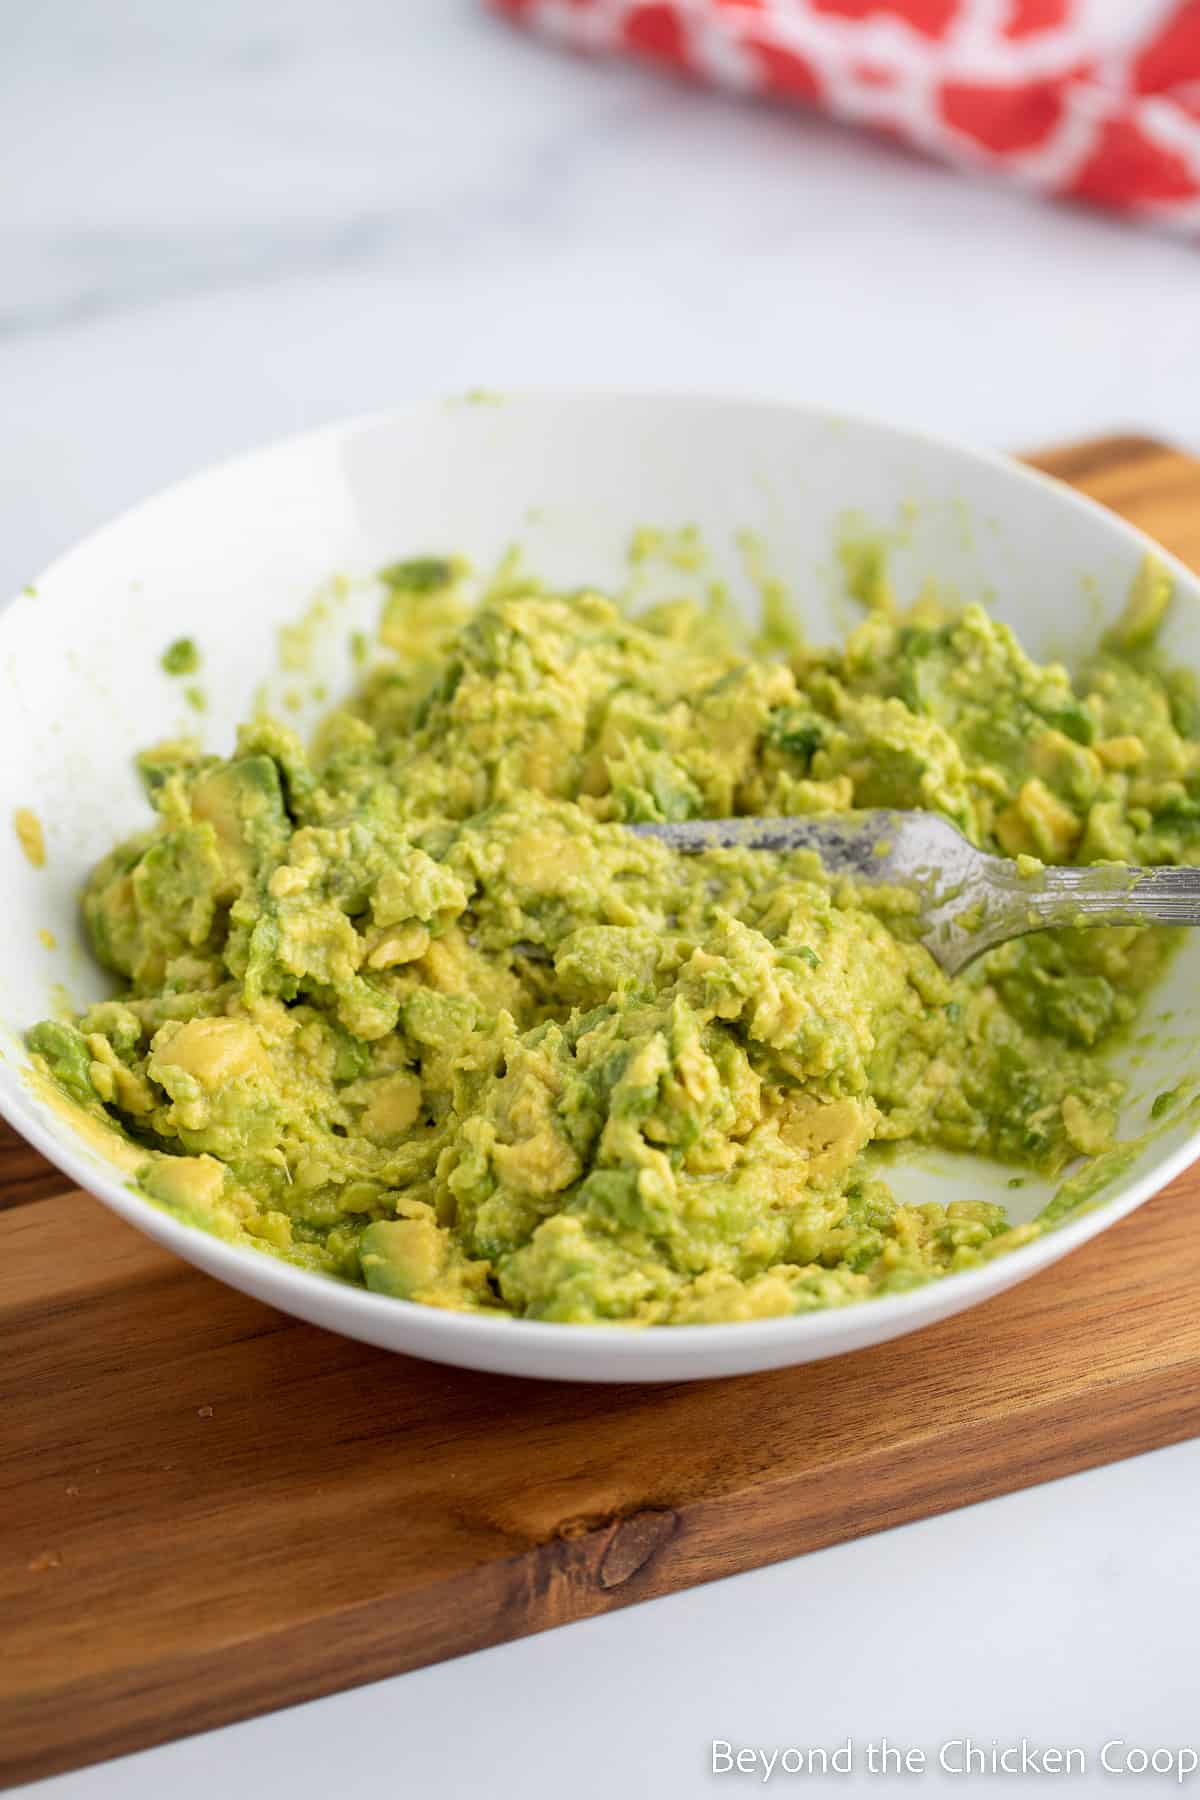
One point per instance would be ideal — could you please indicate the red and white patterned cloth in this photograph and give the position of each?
(1045, 90)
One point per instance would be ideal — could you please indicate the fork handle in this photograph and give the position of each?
(1102, 895)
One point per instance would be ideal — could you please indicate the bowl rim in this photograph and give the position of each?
(452, 1336)
(463, 1333)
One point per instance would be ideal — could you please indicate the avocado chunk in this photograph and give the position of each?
(402, 1256)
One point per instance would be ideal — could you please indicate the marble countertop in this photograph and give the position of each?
(222, 224)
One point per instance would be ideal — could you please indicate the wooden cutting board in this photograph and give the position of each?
(208, 1510)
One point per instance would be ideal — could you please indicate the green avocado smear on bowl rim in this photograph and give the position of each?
(332, 1041)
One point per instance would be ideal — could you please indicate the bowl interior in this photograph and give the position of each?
(234, 555)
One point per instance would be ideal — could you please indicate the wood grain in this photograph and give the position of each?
(1150, 483)
(208, 1509)
(24, 1173)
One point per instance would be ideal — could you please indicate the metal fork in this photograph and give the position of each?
(968, 902)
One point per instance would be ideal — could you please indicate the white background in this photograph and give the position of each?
(222, 223)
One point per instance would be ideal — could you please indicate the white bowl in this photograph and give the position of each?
(231, 555)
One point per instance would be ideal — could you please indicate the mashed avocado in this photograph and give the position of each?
(411, 1007)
